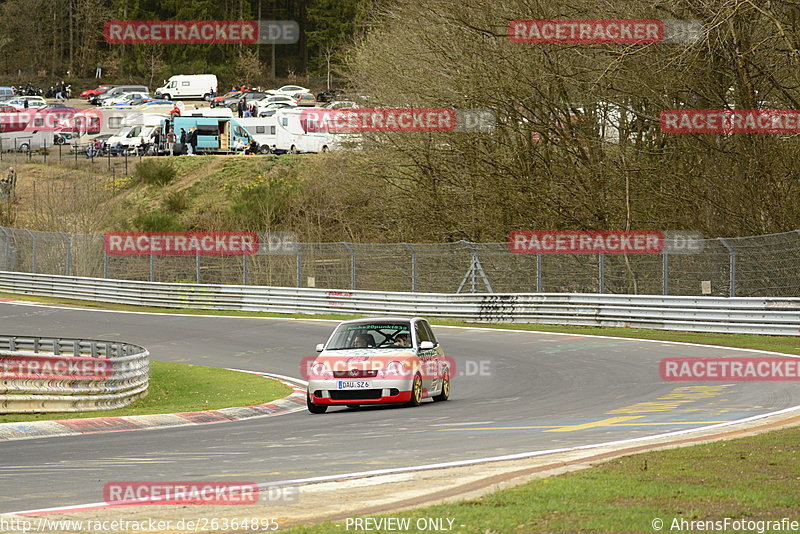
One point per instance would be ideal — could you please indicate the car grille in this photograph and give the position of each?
(356, 394)
(359, 373)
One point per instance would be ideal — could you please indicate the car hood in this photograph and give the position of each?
(357, 356)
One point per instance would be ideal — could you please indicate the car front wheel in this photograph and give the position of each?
(315, 408)
(416, 392)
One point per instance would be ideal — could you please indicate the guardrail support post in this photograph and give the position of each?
(413, 266)
(732, 253)
(601, 263)
(352, 265)
(665, 272)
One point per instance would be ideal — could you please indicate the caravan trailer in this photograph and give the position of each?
(303, 130)
(262, 130)
(214, 134)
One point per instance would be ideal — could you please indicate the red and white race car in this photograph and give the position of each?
(378, 360)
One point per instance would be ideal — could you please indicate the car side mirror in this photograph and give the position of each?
(426, 345)
(320, 347)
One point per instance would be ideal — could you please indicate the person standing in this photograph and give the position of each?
(99, 72)
(171, 140)
(193, 141)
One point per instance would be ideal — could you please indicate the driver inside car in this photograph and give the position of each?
(401, 340)
(363, 340)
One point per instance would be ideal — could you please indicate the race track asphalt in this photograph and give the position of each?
(537, 391)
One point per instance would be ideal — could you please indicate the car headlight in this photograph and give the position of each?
(319, 371)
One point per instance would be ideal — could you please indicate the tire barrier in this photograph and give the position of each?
(43, 374)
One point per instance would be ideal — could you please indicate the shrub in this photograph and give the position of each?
(155, 172)
(156, 221)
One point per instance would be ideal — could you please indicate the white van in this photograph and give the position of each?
(137, 129)
(297, 132)
(187, 86)
(262, 130)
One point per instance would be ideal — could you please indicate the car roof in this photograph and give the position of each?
(374, 320)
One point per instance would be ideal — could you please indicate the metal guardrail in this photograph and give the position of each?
(749, 315)
(42, 374)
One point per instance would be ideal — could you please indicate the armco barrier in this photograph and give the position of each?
(39, 374)
(750, 315)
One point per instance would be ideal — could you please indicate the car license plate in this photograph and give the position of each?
(346, 384)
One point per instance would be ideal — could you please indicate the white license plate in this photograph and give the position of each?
(346, 384)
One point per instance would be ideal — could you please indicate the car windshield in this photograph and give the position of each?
(367, 335)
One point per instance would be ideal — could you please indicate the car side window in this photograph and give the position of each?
(422, 334)
(427, 328)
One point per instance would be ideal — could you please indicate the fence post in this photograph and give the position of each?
(35, 244)
(352, 265)
(538, 273)
(152, 267)
(732, 253)
(245, 274)
(44, 151)
(68, 266)
(601, 263)
(105, 258)
(8, 245)
(197, 266)
(59, 152)
(413, 266)
(299, 262)
(665, 271)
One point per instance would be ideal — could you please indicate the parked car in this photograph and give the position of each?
(330, 95)
(270, 109)
(341, 104)
(378, 360)
(100, 89)
(125, 98)
(247, 96)
(116, 91)
(304, 99)
(219, 98)
(34, 102)
(289, 90)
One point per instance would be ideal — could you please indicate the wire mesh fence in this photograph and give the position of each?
(758, 266)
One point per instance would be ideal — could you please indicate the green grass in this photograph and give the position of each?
(176, 387)
(750, 478)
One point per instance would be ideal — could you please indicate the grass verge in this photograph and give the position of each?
(752, 479)
(176, 387)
